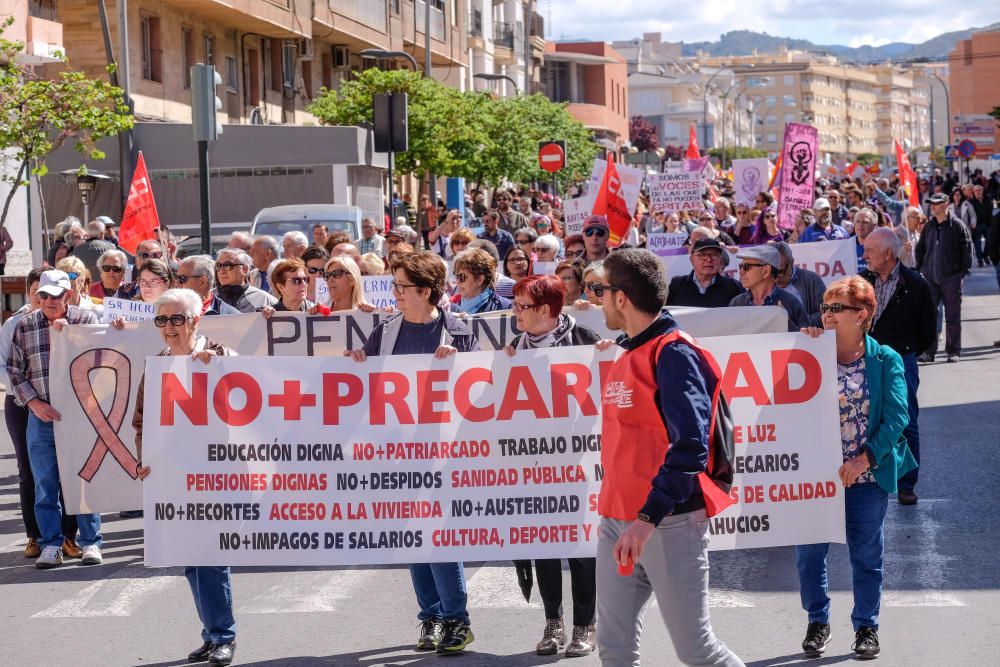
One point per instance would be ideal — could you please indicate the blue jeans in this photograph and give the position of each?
(48, 506)
(865, 506)
(212, 588)
(912, 433)
(996, 268)
(440, 589)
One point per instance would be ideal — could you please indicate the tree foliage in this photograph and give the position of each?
(643, 134)
(996, 115)
(40, 115)
(737, 153)
(673, 152)
(867, 159)
(469, 134)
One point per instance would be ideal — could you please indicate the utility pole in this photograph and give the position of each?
(431, 181)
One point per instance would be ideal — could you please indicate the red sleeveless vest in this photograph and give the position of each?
(634, 439)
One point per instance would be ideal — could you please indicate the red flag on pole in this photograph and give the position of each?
(140, 220)
(610, 202)
(907, 177)
(692, 152)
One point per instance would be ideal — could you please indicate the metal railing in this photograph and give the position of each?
(43, 9)
(503, 35)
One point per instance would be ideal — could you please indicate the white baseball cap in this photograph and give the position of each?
(54, 283)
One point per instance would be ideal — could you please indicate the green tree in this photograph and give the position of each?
(996, 114)
(737, 153)
(40, 115)
(867, 159)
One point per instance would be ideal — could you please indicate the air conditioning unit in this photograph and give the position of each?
(341, 57)
(305, 49)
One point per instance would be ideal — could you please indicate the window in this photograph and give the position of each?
(395, 6)
(772, 137)
(152, 53)
(307, 78)
(209, 48)
(187, 53)
(274, 64)
(789, 80)
(326, 70)
(289, 53)
(789, 100)
(770, 119)
(771, 101)
(232, 75)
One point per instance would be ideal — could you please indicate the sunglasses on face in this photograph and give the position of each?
(228, 265)
(177, 320)
(524, 242)
(598, 231)
(461, 277)
(835, 308)
(46, 297)
(598, 289)
(313, 270)
(393, 241)
(298, 281)
(336, 274)
(108, 268)
(573, 254)
(183, 280)
(73, 275)
(746, 266)
(151, 255)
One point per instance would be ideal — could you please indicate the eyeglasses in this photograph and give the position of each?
(525, 242)
(177, 320)
(707, 255)
(156, 282)
(573, 254)
(769, 215)
(568, 278)
(151, 255)
(459, 243)
(399, 288)
(542, 248)
(73, 275)
(45, 297)
(298, 281)
(599, 231)
(313, 270)
(836, 308)
(598, 289)
(393, 240)
(336, 274)
(521, 307)
(108, 268)
(746, 266)
(228, 265)
(517, 260)
(705, 218)
(183, 280)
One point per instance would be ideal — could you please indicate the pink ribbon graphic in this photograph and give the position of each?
(106, 425)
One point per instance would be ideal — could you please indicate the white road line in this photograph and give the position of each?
(922, 598)
(927, 567)
(304, 591)
(115, 595)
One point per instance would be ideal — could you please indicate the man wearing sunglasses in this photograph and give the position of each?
(595, 238)
(759, 276)
(510, 219)
(233, 270)
(28, 369)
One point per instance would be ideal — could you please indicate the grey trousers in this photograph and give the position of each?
(948, 291)
(675, 567)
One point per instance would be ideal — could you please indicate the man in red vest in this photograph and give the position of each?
(657, 493)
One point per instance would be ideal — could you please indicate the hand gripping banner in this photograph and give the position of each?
(106, 425)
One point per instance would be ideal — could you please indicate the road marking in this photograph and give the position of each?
(114, 596)
(922, 598)
(303, 591)
(926, 567)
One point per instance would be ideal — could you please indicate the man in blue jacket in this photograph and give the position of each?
(759, 276)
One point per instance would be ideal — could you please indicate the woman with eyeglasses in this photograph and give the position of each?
(546, 248)
(290, 280)
(154, 278)
(112, 265)
(78, 277)
(570, 272)
(315, 259)
(766, 228)
(593, 273)
(575, 248)
(538, 308)
(517, 263)
(475, 274)
(343, 280)
(421, 327)
(460, 240)
(873, 414)
(524, 239)
(178, 312)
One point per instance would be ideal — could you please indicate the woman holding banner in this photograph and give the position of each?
(475, 275)
(538, 304)
(421, 327)
(873, 414)
(343, 279)
(290, 282)
(178, 312)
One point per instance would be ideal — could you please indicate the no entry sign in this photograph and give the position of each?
(552, 155)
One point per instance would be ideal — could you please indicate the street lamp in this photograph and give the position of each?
(385, 55)
(947, 109)
(704, 101)
(498, 77)
(86, 183)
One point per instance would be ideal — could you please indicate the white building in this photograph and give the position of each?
(505, 44)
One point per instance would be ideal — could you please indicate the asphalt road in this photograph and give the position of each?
(941, 605)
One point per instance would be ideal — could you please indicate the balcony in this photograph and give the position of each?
(476, 37)
(43, 9)
(370, 13)
(43, 34)
(274, 18)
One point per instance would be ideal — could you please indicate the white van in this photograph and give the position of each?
(276, 221)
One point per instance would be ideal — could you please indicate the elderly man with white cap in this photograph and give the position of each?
(28, 368)
(824, 228)
(759, 270)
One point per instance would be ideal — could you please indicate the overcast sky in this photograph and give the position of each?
(848, 22)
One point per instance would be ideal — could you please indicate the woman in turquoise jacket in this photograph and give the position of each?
(873, 414)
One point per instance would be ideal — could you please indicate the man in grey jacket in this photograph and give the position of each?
(803, 283)
(233, 270)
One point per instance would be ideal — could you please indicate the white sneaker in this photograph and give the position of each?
(51, 557)
(92, 555)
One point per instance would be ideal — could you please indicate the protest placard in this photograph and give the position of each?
(663, 242)
(798, 172)
(130, 311)
(575, 213)
(378, 291)
(477, 457)
(750, 178)
(676, 191)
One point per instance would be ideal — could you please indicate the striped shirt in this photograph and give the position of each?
(884, 289)
(28, 364)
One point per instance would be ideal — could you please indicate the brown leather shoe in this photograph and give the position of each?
(32, 550)
(70, 549)
(906, 497)
(584, 641)
(553, 638)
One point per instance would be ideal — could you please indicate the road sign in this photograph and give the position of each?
(967, 148)
(552, 155)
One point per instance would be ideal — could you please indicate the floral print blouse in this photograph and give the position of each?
(854, 408)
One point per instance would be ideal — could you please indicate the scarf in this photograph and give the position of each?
(472, 306)
(555, 338)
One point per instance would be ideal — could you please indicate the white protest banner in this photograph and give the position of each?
(544, 268)
(378, 291)
(676, 191)
(575, 213)
(750, 178)
(631, 178)
(106, 365)
(130, 311)
(658, 242)
(477, 457)
(323, 292)
(831, 260)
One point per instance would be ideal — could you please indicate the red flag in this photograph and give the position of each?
(907, 176)
(692, 152)
(140, 221)
(775, 172)
(610, 202)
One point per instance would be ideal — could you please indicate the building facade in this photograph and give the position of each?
(974, 70)
(506, 41)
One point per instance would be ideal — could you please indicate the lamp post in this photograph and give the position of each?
(498, 77)
(947, 103)
(704, 101)
(86, 183)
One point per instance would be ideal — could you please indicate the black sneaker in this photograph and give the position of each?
(817, 637)
(866, 643)
(430, 634)
(457, 635)
(201, 654)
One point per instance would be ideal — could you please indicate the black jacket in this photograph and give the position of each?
(684, 292)
(994, 246)
(908, 323)
(954, 243)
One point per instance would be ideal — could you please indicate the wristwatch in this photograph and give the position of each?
(643, 517)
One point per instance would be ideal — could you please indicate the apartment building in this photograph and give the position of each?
(506, 41)
(903, 110)
(974, 70)
(274, 56)
(592, 78)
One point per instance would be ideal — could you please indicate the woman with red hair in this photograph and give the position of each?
(538, 307)
(873, 414)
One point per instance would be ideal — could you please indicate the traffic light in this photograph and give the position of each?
(205, 103)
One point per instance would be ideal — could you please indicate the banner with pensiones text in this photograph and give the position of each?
(480, 456)
(96, 449)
